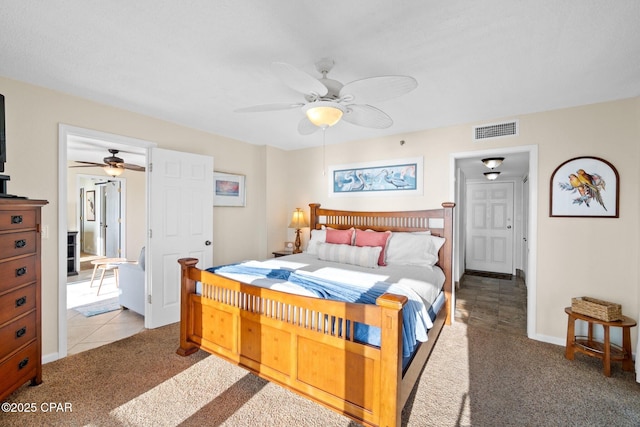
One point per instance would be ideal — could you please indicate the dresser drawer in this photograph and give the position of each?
(19, 368)
(17, 220)
(14, 244)
(17, 333)
(17, 272)
(17, 302)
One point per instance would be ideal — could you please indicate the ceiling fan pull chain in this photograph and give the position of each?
(324, 155)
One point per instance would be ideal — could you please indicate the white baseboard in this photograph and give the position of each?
(51, 357)
(549, 339)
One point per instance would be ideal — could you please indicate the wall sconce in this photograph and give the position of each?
(493, 162)
(113, 171)
(324, 113)
(491, 176)
(298, 222)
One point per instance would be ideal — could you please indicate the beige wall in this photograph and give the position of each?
(575, 256)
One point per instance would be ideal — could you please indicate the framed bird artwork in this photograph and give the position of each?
(585, 187)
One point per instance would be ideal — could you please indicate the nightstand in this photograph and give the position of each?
(282, 252)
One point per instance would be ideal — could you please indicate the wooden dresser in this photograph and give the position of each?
(20, 304)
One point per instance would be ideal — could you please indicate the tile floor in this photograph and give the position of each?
(85, 333)
(493, 303)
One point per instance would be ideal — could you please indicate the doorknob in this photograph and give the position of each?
(208, 243)
(508, 227)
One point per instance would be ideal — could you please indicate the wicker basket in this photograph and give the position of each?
(596, 308)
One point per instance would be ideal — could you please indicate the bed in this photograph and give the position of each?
(312, 346)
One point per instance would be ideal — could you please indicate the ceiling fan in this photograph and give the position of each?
(327, 100)
(113, 165)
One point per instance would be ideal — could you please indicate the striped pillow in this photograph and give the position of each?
(364, 256)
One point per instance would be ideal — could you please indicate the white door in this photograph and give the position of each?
(112, 220)
(489, 245)
(181, 225)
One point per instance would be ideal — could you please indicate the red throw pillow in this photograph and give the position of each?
(374, 238)
(340, 237)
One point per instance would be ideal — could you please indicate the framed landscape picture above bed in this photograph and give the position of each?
(228, 189)
(585, 187)
(400, 177)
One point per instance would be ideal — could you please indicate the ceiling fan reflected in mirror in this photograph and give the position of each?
(327, 101)
(113, 165)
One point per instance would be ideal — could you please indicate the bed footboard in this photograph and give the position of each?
(302, 345)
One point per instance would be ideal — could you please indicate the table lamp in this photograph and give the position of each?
(298, 222)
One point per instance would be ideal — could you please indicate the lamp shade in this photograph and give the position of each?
(298, 221)
(113, 170)
(324, 113)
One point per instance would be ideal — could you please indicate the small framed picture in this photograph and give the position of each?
(229, 189)
(288, 246)
(90, 210)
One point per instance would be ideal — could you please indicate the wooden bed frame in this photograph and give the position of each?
(284, 338)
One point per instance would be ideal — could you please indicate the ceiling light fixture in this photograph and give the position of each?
(493, 162)
(113, 171)
(324, 113)
(491, 176)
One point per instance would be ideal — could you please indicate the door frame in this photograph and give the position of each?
(64, 133)
(106, 201)
(455, 190)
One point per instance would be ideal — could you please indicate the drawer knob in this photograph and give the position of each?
(16, 219)
(20, 332)
(21, 271)
(20, 243)
(21, 301)
(24, 362)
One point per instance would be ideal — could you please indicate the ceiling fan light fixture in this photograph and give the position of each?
(493, 162)
(324, 113)
(113, 171)
(492, 176)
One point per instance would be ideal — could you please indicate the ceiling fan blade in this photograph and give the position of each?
(305, 127)
(367, 116)
(87, 164)
(268, 107)
(297, 79)
(376, 89)
(131, 167)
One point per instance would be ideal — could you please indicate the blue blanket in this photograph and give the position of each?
(414, 312)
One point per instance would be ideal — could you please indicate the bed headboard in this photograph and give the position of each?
(434, 220)
(438, 221)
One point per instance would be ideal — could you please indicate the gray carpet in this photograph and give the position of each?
(475, 377)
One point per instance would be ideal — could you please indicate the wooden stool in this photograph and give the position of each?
(603, 350)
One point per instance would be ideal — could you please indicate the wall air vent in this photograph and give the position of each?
(495, 130)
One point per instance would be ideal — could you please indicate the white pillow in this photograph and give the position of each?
(317, 236)
(364, 256)
(413, 249)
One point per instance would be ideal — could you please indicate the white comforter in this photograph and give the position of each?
(425, 282)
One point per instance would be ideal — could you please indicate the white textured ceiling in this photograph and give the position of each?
(194, 62)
